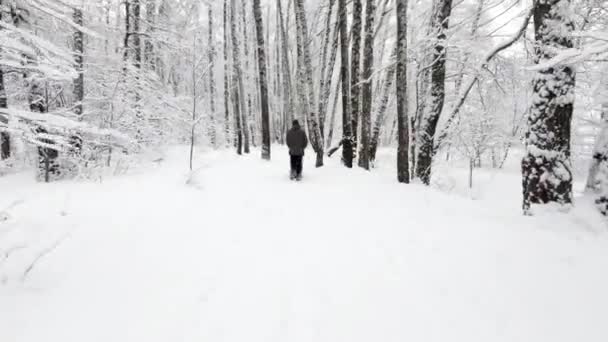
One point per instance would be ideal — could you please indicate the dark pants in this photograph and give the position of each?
(296, 165)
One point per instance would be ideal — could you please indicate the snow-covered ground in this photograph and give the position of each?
(238, 253)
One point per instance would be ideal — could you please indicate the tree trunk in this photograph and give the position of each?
(211, 43)
(332, 120)
(263, 79)
(598, 175)
(226, 78)
(366, 104)
(403, 168)
(288, 104)
(381, 116)
(546, 168)
(347, 133)
(237, 81)
(149, 58)
(244, 79)
(440, 24)
(78, 63)
(325, 80)
(355, 77)
(5, 139)
(314, 130)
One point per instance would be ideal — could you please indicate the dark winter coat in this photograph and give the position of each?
(297, 141)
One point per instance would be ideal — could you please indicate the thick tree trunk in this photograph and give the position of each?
(546, 167)
(440, 24)
(314, 129)
(403, 168)
(263, 79)
(288, 103)
(347, 133)
(355, 77)
(366, 98)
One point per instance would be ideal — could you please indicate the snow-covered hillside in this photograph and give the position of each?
(237, 253)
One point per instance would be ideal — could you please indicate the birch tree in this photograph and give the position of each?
(314, 129)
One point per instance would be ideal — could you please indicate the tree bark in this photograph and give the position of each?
(237, 81)
(245, 79)
(546, 167)
(347, 133)
(403, 168)
(226, 78)
(440, 25)
(78, 62)
(381, 116)
(5, 139)
(325, 80)
(263, 79)
(355, 77)
(212, 90)
(314, 130)
(366, 98)
(288, 103)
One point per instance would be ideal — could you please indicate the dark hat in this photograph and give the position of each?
(295, 123)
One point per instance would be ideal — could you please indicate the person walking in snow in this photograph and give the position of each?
(297, 143)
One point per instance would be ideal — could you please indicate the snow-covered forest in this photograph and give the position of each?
(455, 183)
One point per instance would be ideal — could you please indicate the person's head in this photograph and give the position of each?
(295, 124)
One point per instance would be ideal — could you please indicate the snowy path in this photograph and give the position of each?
(250, 256)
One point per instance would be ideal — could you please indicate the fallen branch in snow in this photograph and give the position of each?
(495, 51)
(42, 254)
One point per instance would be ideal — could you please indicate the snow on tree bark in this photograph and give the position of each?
(403, 168)
(79, 62)
(381, 116)
(366, 89)
(546, 168)
(355, 77)
(149, 59)
(263, 79)
(598, 175)
(426, 135)
(5, 139)
(325, 80)
(347, 129)
(314, 129)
